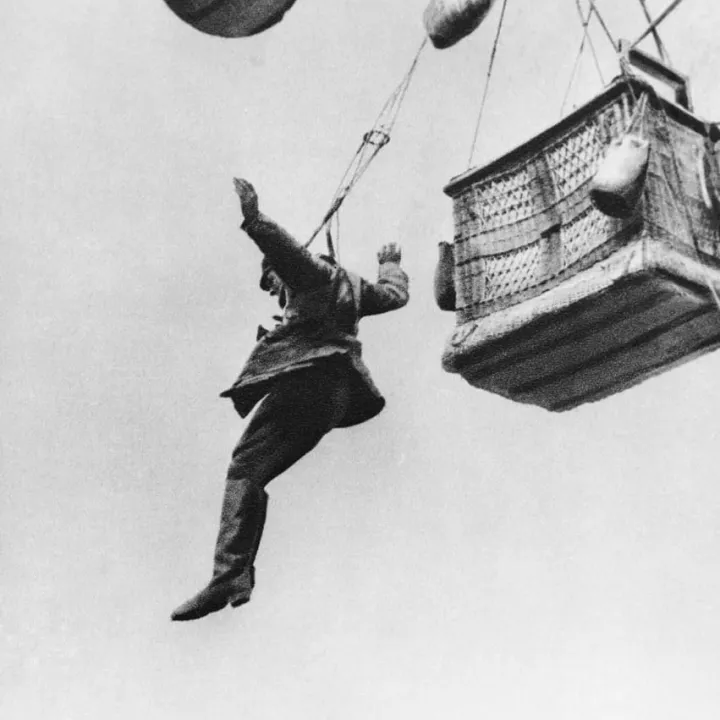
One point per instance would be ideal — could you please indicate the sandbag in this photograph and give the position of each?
(444, 285)
(620, 178)
(230, 18)
(449, 21)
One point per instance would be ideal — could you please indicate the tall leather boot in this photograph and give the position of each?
(241, 525)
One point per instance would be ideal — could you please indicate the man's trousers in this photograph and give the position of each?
(300, 409)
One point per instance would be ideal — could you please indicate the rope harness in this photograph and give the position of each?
(372, 143)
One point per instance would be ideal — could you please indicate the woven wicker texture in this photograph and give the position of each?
(527, 222)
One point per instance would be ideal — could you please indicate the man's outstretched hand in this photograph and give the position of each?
(389, 253)
(248, 199)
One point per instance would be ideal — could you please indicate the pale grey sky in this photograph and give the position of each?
(458, 557)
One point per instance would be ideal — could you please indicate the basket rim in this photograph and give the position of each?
(526, 150)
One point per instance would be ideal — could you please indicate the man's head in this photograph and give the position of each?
(270, 282)
(265, 270)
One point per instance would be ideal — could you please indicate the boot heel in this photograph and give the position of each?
(240, 600)
(246, 587)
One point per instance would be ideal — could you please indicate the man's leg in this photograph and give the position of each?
(290, 422)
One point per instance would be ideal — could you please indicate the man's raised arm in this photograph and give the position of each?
(293, 263)
(390, 292)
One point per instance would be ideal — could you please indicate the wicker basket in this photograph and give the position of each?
(558, 304)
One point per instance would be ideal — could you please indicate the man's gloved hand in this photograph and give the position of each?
(248, 199)
(389, 253)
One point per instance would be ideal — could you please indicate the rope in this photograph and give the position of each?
(638, 116)
(591, 43)
(656, 22)
(585, 21)
(604, 26)
(333, 249)
(629, 76)
(337, 233)
(658, 41)
(487, 81)
(373, 141)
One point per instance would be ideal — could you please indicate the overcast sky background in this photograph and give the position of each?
(460, 556)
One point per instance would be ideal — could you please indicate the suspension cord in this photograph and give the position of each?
(373, 141)
(487, 81)
(656, 22)
(585, 22)
(604, 26)
(336, 219)
(658, 41)
(590, 41)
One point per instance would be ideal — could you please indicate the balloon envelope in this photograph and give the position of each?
(230, 18)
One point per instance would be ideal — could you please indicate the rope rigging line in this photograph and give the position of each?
(487, 81)
(372, 143)
(628, 76)
(603, 24)
(591, 43)
(656, 22)
(585, 21)
(333, 248)
(656, 35)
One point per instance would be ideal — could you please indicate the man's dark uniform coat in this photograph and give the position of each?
(323, 309)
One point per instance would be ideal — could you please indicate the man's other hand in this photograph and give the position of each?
(389, 253)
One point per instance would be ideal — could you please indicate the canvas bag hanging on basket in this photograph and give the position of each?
(620, 178)
(444, 281)
(449, 21)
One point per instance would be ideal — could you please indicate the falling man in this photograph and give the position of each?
(309, 378)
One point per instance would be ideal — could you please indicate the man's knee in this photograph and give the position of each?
(291, 422)
(239, 472)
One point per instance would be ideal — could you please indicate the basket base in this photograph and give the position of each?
(643, 311)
